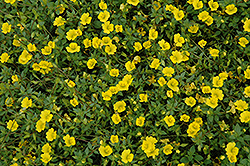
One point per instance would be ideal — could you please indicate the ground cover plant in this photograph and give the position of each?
(124, 82)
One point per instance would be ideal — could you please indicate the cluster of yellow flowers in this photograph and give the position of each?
(43, 67)
(165, 79)
(46, 116)
(45, 157)
(232, 152)
(148, 146)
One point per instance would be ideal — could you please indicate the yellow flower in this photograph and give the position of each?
(212, 102)
(133, 2)
(51, 134)
(107, 95)
(190, 101)
(246, 25)
(40, 125)
(91, 63)
(114, 72)
(10, 1)
(16, 43)
(120, 106)
(232, 158)
(46, 116)
(245, 116)
(46, 148)
(6, 27)
(4, 57)
(182, 164)
(247, 91)
(114, 139)
(193, 29)
(217, 93)
(113, 90)
(178, 14)
(203, 15)
(213, 5)
(26, 103)
(176, 57)
(171, 8)
(60, 8)
(116, 118)
(73, 47)
(169, 120)
(198, 120)
(127, 156)
(164, 45)
(137, 46)
(167, 149)
(74, 102)
(147, 44)
(241, 105)
(168, 71)
(140, 121)
(104, 16)
(178, 40)
(173, 84)
(69, 140)
(129, 66)
(70, 83)
(51, 44)
(85, 19)
(197, 4)
(152, 152)
(96, 42)
(143, 97)
(202, 43)
(217, 82)
(170, 93)
(153, 34)
(110, 49)
(9, 102)
(59, 21)
(107, 27)
(243, 41)
(206, 89)
(247, 73)
(231, 149)
(72, 34)
(103, 5)
(45, 158)
(209, 20)
(185, 118)
(12, 125)
(162, 81)
(106, 41)
(15, 164)
(87, 43)
(155, 64)
(31, 47)
(191, 133)
(190, 2)
(46, 50)
(231, 9)
(214, 52)
(156, 5)
(194, 126)
(118, 28)
(24, 57)
(122, 86)
(223, 75)
(105, 150)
